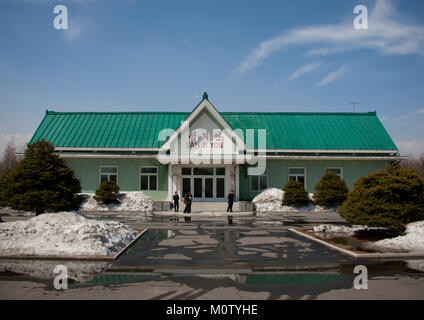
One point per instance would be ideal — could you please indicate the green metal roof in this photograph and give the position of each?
(293, 131)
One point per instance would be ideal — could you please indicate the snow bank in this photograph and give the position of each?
(129, 201)
(416, 265)
(271, 199)
(63, 233)
(340, 229)
(412, 241)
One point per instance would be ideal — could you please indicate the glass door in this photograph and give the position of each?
(186, 186)
(198, 188)
(220, 188)
(208, 188)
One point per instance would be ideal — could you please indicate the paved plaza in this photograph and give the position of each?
(254, 258)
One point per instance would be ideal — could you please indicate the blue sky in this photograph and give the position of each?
(248, 55)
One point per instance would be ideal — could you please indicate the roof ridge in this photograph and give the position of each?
(372, 113)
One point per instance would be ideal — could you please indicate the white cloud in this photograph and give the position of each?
(18, 139)
(411, 147)
(412, 114)
(74, 31)
(332, 76)
(388, 33)
(303, 70)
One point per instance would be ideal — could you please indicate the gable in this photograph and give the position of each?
(204, 131)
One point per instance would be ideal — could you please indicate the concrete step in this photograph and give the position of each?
(200, 206)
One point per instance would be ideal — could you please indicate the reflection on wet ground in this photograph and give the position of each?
(244, 254)
(44, 269)
(226, 249)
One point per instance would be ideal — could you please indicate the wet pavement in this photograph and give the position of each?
(255, 258)
(213, 248)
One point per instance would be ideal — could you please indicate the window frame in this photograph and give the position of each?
(108, 174)
(341, 170)
(259, 182)
(148, 178)
(297, 175)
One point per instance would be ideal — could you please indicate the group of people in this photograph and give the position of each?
(188, 200)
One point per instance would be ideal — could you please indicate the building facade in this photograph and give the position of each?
(211, 153)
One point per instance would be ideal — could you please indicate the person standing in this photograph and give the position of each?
(230, 201)
(176, 199)
(188, 200)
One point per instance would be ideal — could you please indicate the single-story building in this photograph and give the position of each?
(211, 153)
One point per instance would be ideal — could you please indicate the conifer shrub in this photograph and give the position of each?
(295, 193)
(330, 190)
(107, 193)
(41, 182)
(390, 198)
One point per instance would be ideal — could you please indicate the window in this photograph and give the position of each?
(203, 171)
(338, 171)
(259, 183)
(108, 174)
(148, 178)
(186, 171)
(297, 174)
(220, 171)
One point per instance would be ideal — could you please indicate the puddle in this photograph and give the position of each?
(389, 267)
(278, 279)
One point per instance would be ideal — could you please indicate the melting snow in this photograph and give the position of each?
(63, 233)
(271, 199)
(412, 241)
(129, 201)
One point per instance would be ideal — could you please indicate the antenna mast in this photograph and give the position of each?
(353, 105)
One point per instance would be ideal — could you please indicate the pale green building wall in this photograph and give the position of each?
(278, 172)
(87, 171)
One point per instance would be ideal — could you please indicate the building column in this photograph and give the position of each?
(170, 181)
(237, 183)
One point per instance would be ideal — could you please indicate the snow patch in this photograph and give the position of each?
(339, 229)
(129, 201)
(416, 265)
(271, 200)
(63, 233)
(412, 241)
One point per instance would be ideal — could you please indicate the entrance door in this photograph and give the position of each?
(206, 184)
(208, 188)
(198, 188)
(220, 187)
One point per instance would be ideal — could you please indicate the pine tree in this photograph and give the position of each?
(41, 182)
(295, 193)
(107, 193)
(330, 190)
(389, 198)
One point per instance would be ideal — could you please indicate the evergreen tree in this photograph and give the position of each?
(108, 192)
(330, 190)
(295, 193)
(41, 182)
(389, 198)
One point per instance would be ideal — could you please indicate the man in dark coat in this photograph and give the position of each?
(230, 200)
(187, 200)
(176, 199)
